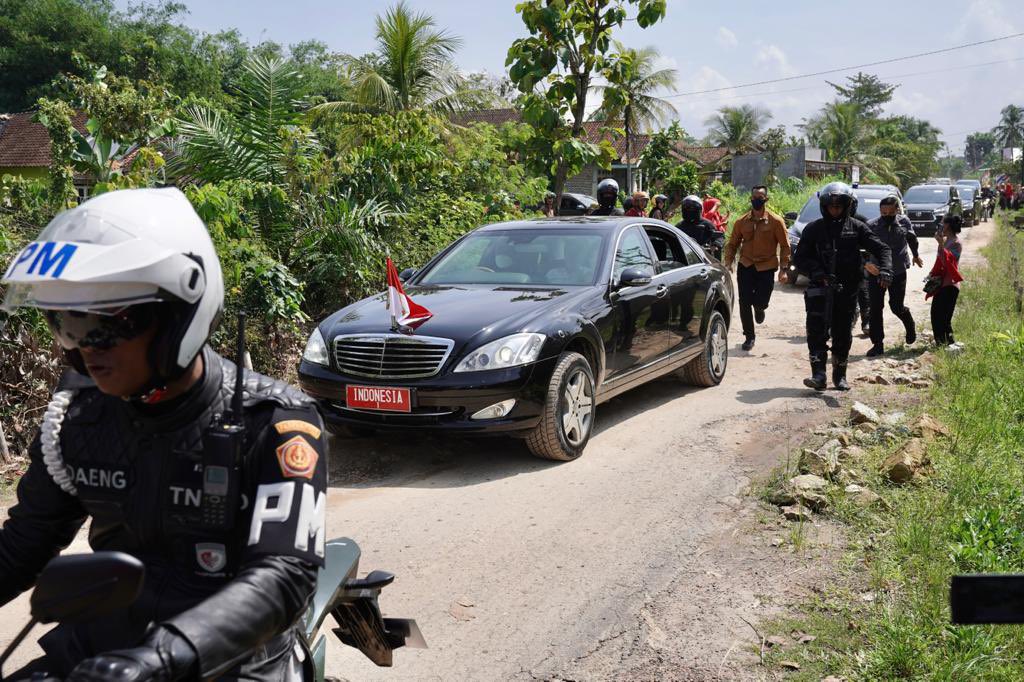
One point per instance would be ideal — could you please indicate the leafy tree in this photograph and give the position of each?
(56, 117)
(843, 131)
(555, 67)
(667, 172)
(772, 142)
(412, 68)
(867, 92)
(978, 147)
(629, 97)
(250, 142)
(737, 128)
(1009, 132)
(910, 144)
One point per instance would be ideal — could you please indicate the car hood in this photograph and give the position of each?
(925, 207)
(464, 313)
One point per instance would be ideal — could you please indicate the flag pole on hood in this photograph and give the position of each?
(406, 314)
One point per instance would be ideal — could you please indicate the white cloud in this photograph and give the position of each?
(726, 38)
(772, 56)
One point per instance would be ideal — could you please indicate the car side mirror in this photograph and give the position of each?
(406, 274)
(79, 587)
(791, 215)
(635, 277)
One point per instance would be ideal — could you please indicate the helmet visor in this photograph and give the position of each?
(100, 331)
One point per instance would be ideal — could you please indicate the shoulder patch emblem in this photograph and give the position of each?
(297, 458)
(297, 426)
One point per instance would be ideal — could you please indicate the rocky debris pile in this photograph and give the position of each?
(892, 372)
(836, 469)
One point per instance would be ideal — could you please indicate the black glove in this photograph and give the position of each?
(884, 279)
(163, 657)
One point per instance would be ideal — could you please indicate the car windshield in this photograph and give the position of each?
(545, 256)
(967, 193)
(926, 195)
(867, 206)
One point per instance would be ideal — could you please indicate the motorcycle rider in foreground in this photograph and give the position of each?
(607, 196)
(226, 511)
(698, 228)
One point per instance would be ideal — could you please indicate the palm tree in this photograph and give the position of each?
(630, 97)
(217, 145)
(411, 69)
(1010, 131)
(737, 128)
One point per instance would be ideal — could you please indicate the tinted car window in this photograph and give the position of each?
(927, 195)
(632, 252)
(544, 257)
(669, 252)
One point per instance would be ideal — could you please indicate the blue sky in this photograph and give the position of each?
(715, 45)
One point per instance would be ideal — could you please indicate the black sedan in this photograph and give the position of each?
(534, 324)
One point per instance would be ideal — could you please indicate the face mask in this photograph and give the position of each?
(758, 203)
(691, 213)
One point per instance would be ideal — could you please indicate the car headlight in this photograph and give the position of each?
(510, 351)
(316, 349)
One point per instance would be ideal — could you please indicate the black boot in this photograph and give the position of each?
(817, 380)
(839, 374)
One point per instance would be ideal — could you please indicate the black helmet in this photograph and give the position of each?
(837, 192)
(607, 192)
(660, 197)
(692, 207)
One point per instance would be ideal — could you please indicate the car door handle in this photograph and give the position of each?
(704, 273)
(661, 291)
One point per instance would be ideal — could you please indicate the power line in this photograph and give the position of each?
(848, 68)
(883, 77)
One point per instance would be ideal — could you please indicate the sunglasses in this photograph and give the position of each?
(99, 331)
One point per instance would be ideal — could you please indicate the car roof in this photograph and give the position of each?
(932, 185)
(578, 195)
(877, 191)
(606, 222)
(967, 181)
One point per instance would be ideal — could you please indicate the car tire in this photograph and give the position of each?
(708, 368)
(346, 431)
(570, 390)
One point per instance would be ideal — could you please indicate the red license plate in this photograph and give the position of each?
(378, 398)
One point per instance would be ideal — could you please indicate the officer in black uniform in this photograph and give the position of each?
(607, 196)
(698, 228)
(225, 508)
(830, 251)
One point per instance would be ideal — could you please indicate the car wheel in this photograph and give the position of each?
(568, 418)
(708, 368)
(346, 431)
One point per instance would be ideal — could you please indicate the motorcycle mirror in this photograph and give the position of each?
(791, 215)
(86, 586)
(404, 275)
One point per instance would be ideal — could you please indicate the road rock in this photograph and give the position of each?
(852, 453)
(862, 414)
(808, 483)
(797, 512)
(861, 496)
(907, 462)
(775, 641)
(781, 497)
(930, 428)
(822, 462)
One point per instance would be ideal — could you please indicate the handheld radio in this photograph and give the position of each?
(222, 454)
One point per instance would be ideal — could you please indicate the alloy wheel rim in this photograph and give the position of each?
(577, 408)
(719, 349)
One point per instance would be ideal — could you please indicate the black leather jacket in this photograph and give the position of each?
(819, 239)
(234, 594)
(703, 232)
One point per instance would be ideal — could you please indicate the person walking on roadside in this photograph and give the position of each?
(1006, 201)
(943, 284)
(698, 228)
(759, 236)
(898, 234)
(830, 251)
(638, 209)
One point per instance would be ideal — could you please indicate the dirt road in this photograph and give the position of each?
(635, 561)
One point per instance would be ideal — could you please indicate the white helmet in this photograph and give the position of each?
(122, 249)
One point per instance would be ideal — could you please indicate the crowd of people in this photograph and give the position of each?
(855, 266)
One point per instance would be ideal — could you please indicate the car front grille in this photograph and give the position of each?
(391, 356)
(922, 215)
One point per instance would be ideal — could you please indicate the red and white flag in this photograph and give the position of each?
(404, 311)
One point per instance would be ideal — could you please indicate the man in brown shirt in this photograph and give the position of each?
(763, 245)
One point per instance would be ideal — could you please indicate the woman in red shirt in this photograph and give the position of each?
(946, 273)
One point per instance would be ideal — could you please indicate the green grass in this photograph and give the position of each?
(967, 517)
